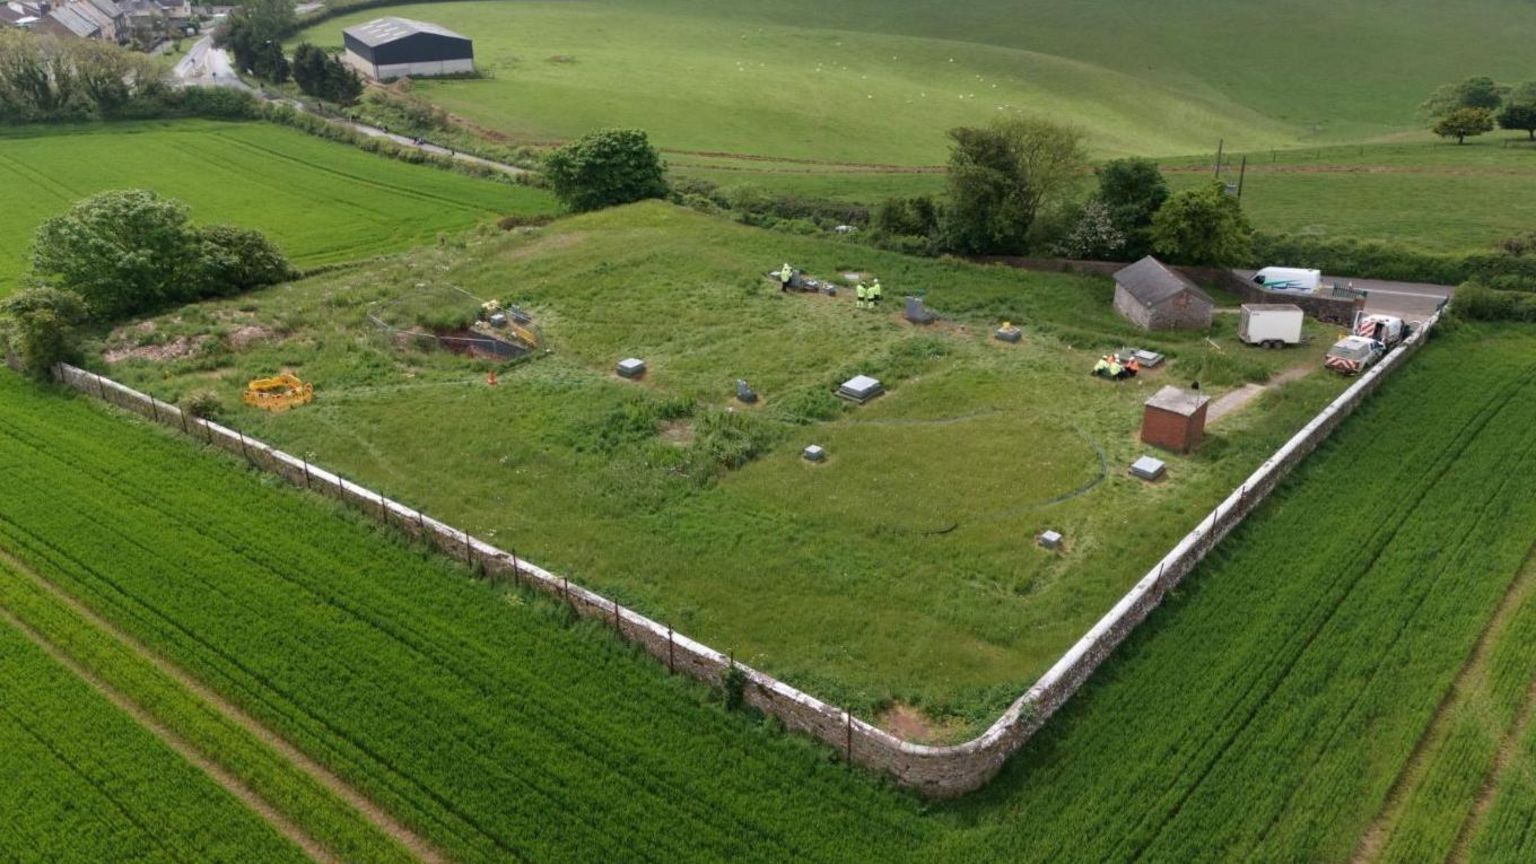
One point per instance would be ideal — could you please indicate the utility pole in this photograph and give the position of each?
(1242, 171)
(1221, 144)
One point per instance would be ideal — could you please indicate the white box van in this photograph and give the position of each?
(1289, 279)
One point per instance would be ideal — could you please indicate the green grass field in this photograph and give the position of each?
(901, 570)
(1266, 712)
(708, 84)
(322, 202)
(875, 81)
(1435, 196)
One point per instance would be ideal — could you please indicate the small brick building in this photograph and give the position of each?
(1153, 297)
(1174, 420)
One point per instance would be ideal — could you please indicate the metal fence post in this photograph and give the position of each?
(243, 452)
(306, 472)
(671, 663)
(154, 409)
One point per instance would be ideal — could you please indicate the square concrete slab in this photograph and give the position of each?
(1148, 468)
(860, 388)
(1008, 334)
(917, 311)
(631, 367)
(1147, 358)
(814, 453)
(1050, 539)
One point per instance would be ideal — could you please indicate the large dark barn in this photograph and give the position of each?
(388, 48)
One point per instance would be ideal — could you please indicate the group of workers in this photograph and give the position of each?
(865, 296)
(1109, 366)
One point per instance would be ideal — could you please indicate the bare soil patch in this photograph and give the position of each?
(910, 723)
(181, 346)
(678, 433)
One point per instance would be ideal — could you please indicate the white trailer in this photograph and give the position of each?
(1289, 279)
(1272, 325)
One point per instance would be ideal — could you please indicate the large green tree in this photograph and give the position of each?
(1132, 191)
(254, 34)
(605, 168)
(1003, 176)
(130, 250)
(1202, 226)
(1519, 111)
(322, 74)
(38, 325)
(120, 251)
(1464, 123)
(44, 79)
(1476, 92)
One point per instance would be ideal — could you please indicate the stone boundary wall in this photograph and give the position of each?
(941, 771)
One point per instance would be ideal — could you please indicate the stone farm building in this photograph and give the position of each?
(1154, 297)
(388, 48)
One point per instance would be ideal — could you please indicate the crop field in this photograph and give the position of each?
(901, 570)
(1319, 701)
(876, 81)
(83, 782)
(1433, 196)
(321, 202)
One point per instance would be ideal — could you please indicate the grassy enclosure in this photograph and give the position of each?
(323, 203)
(904, 569)
(1266, 712)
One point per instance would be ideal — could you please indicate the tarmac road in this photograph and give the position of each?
(1410, 301)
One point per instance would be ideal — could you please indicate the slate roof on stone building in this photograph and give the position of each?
(1150, 282)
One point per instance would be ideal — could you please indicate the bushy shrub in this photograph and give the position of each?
(128, 251)
(38, 325)
(203, 404)
(1478, 302)
(605, 168)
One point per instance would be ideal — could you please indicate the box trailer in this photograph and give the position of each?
(1272, 325)
(1289, 279)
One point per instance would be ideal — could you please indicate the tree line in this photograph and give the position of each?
(1013, 188)
(1476, 105)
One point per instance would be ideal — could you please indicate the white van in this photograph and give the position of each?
(1289, 279)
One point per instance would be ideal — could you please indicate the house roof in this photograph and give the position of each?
(90, 13)
(107, 8)
(1150, 282)
(1181, 402)
(384, 30)
(10, 16)
(74, 23)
